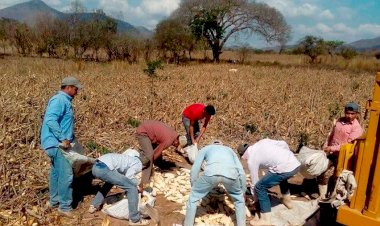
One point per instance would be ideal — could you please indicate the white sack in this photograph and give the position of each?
(192, 152)
(80, 163)
(120, 209)
(313, 162)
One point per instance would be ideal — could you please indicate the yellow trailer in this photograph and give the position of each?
(363, 158)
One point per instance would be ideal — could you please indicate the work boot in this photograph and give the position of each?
(68, 214)
(322, 191)
(287, 201)
(264, 220)
(140, 222)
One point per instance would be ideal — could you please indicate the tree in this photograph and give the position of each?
(332, 46)
(175, 37)
(311, 46)
(347, 52)
(218, 20)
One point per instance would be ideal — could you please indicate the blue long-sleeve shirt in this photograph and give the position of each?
(58, 123)
(220, 161)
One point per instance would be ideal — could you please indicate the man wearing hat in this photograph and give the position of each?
(279, 160)
(57, 132)
(222, 166)
(345, 130)
(122, 170)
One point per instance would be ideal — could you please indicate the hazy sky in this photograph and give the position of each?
(347, 20)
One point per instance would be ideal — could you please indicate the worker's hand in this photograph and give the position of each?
(327, 149)
(65, 144)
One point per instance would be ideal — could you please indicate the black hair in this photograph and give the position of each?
(210, 110)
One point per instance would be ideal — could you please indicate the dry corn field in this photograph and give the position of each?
(282, 102)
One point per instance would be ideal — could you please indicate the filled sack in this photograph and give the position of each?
(313, 162)
(120, 209)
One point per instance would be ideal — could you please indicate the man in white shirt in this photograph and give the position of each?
(120, 170)
(276, 156)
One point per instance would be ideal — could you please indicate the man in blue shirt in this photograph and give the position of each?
(57, 133)
(222, 166)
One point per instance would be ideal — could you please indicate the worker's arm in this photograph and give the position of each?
(197, 165)
(203, 129)
(241, 173)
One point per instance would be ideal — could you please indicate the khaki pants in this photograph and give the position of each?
(147, 148)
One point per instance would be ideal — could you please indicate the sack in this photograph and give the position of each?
(120, 209)
(80, 163)
(192, 152)
(313, 162)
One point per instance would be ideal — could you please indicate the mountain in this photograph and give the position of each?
(28, 12)
(366, 44)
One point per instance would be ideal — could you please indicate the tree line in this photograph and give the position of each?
(195, 25)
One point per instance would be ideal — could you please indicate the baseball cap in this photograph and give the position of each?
(71, 81)
(351, 106)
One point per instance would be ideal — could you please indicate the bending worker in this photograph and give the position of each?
(222, 166)
(281, 163)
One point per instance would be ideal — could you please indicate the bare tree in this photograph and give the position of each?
(217, 20)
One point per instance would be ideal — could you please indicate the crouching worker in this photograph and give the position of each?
(121, 170)
(281, 163)
(222, 166)
(154, 137)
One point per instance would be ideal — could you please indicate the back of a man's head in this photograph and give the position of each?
(210, 110)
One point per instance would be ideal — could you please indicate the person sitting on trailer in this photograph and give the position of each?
(345, 130)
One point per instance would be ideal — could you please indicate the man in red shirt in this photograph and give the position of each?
(191, 117)
(154, 137)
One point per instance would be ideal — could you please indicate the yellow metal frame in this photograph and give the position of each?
(363, 158)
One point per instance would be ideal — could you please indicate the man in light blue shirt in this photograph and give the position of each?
(57, 132)
(120, 170)
(222, 166)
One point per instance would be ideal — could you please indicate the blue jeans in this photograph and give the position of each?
(186, 123)
(112, 177)
(268, 181)
(204, 184)
(60, 180)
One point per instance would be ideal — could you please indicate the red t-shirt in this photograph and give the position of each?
(194, 112)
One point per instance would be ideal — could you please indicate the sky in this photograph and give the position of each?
(347, 20)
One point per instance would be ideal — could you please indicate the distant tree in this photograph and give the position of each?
(332, 46)
(174, 37)
(3, 33)
(21, 37)
(244, 52)
(311, 46)
(101, 31)
(218, 20)
(48, 31)
(347, 52)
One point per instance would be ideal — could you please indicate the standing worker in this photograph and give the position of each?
(121, 170)
(154, 137)
(191, 116)
(57, 133)
(222, 167)
(281, 163)
(345, 130)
